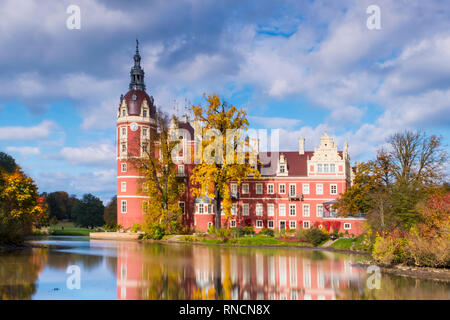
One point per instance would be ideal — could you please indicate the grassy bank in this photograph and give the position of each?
(242, 241)
(64, 229)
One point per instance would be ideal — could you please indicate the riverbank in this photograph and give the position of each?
(424, 273)
(6, 248)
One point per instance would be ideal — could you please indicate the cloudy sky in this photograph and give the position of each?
(302, 66)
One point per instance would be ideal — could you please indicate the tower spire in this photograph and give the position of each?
(137, 73)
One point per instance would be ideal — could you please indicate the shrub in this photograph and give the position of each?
(316, 236)
(223, 232)
(389, 249)
(136, 227)
(112, 227)
(302, 235)
(211, 229)
(430, 252)
(236, 232)
(248, 230)
(279, 233)
(267, 232)
(155, 231)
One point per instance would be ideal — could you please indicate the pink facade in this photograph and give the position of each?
(296, 189)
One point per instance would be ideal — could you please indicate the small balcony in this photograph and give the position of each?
(235, 196)
(296, 197)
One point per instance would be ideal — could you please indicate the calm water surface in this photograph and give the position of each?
(131, 270)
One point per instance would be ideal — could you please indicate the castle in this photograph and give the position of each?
(298, 191)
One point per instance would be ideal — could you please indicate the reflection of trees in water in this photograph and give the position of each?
(61, 260)
(166, 274)
(398, 288)
(19, 272)
(111, 264)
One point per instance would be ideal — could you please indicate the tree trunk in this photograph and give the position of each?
(218, 213)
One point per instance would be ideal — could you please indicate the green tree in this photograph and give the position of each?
(89, 211)
(58, 204)
(7, 163)
(110, 214)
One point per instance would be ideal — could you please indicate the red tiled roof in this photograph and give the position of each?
(296, 163)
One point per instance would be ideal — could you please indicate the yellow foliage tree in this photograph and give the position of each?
(222, 128)
(161, 183)
(19, 206)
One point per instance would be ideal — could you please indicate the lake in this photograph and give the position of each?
(79, 268)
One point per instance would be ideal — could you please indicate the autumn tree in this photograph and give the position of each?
(389, 187)
(19, 206)
(161, 183)
(221, 157)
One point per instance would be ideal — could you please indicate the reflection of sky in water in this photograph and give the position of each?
(97, 282)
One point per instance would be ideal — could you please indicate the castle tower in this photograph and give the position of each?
(135, 126)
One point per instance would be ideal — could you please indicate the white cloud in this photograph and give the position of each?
(40, 131)
(99, 154)
(24, 151)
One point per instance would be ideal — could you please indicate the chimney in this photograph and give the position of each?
(301, 146)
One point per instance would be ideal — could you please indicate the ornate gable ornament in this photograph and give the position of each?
(282, 163)
(327, 150)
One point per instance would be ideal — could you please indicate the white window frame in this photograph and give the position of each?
(233, 188)
(123, 204)
(233, 209)
(245, 188)
(332, 167)
(319, 167)
(317, 188)
(123, 167)
(290, 189)
(233, 223)
(305, 188)
(331, 189)
(279, 188)
(123, 132)
(181, 166)
(306, 213)
(317, 210)
(259, 222)
(326, 168)
(270, 212)
(123, 186)
(282, 205)
(261, 212)
(244, 211)
(294, 223)
(200, 208)
(260, 187)
(282, 168)
(349, 226)
(290, 211)
(272, 187)
(269, 222)
(306, 223)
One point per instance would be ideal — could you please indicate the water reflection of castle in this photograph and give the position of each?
(196, 272)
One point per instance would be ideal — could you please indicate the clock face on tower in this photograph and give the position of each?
(134, 126)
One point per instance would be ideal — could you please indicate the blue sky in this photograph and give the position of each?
(301, 66)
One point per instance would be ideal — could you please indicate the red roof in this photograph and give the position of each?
(134, 105)
(297, 164)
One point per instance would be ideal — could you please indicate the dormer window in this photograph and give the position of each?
(124, 113)
(282, 169)
(144, 113)
(134, 97)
